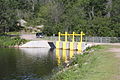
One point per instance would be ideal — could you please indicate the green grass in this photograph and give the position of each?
(6, 41)
(13, 33)
(98, 65)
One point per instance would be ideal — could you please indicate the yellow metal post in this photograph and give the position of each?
(58, 42)
(73, 37)
(71, 46)
(72, 43)
(65, 43)
(59, 36)
(80, 43)
(81, 37)
(65, 36)
(79, 47)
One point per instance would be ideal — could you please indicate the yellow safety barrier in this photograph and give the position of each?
(80, 43)
(65, 43)
(73, 40)
(71, 45)
(59, 36)
(57, 44)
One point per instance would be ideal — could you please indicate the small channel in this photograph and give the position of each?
(30, 63)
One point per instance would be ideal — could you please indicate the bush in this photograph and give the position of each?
(6, 41)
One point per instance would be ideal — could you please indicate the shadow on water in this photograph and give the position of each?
(30, 63)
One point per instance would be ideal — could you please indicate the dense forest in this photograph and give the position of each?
(93, 17)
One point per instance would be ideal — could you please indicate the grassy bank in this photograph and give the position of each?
(6, 41)
(98, 65)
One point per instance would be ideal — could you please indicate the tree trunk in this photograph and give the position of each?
(108, 8)
(92, 12)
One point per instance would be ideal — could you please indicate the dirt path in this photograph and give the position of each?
(116, 51)
(28, 36)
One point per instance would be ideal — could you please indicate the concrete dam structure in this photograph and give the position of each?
(47, 44)
(65, 45)
(38, 44)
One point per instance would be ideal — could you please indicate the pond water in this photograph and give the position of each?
(30, 63)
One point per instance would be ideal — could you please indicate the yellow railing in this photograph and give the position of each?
(79, 45)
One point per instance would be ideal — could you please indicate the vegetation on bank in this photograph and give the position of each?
(98, 65)
(13, 33)
(6, 41)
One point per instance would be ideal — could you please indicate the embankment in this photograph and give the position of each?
(99, 64)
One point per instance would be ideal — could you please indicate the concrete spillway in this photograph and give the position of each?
(38, 44)
(48, 44)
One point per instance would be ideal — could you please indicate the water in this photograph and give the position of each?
(30, 63)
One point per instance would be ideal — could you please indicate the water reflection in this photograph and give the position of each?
(36, 52)
(26, 63)
(39, 61)
(30, 63)
(63, 56)
(58, 56)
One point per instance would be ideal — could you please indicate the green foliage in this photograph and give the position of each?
(94, 17)
(97, 47)
(11, 41)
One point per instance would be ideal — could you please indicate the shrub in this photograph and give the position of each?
(6, 41)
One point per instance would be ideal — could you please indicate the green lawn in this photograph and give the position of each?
(98, 65)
